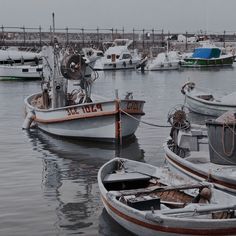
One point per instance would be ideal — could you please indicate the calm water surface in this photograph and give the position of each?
(49, 185)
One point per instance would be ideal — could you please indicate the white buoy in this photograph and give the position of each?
(28, 120)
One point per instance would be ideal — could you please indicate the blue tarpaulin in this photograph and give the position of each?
(206, 53)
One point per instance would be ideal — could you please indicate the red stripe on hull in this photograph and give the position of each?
(166, 229)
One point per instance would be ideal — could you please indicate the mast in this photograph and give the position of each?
(54, 63)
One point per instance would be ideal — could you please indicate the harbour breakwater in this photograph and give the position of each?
(143, 40)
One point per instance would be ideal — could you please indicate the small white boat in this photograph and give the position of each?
(20, 64)
(118, 56)
(204, 153)
(207, 103)
(148, 200)
(72, 111)
(164, 61)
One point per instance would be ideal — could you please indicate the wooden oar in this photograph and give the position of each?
(160, 189)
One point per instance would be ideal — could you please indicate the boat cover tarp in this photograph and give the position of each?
(206, 53)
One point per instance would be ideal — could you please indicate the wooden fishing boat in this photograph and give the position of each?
(208, 103)
(69, 109)
(148, 200)
(204, 152)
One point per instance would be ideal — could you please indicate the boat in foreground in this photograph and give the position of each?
(148, 200)
(204, 152)
(66, 106)
(208, 103)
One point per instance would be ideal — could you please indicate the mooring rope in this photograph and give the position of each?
(144, 122)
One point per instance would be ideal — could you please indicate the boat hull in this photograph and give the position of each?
(18, 71)
(213, 62)
(164, 66)
(139, 223)
(205, 107)
(100, 120)
(199, 172)
(119, 65)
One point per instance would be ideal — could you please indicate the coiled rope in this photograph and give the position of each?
(144, 122)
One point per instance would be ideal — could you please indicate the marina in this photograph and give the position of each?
(50, 184)
(117, 131)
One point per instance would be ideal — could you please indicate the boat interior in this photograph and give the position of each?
(148, 193)
(207, 97)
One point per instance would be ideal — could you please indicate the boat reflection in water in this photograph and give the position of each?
(69, 178)
(108, 226)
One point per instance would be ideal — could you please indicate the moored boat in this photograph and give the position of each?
(208, 56)
(203, 153)
(118, 57)
(164, 61)
(207, 103)
(73, 111)
(20, 64)
(148, 200)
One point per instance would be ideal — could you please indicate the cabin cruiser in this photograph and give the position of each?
(118, 56)
(15, 63)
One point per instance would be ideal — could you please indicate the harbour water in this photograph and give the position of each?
(49, 185)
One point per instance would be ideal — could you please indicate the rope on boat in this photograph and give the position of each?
(230, 153)
(144, 122)
(214, 150)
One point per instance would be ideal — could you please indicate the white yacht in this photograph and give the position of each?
(118, 56)
(20, 64)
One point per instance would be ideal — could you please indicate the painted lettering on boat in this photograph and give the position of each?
(92, 108)
(72, 111)
(84, 109)
(134, 106)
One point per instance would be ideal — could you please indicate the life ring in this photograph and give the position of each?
(189, 86)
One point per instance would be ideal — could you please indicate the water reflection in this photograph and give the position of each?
(108, 226)
(69, 178)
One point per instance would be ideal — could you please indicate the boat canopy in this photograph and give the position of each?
(206, 53)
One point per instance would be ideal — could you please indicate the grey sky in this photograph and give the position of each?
(170, 15)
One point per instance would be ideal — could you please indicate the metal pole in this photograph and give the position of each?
(97, 37)
(143, 39)
(40, 36)
(67, 36)
(112, 36)
(3, 38)
(153, 37)
(51, 35)
(186, 41)
(82, 36)
(123, 30)
(24, 34)
(224, 38)
(133, 38)
(54, 64)
(162, 37)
